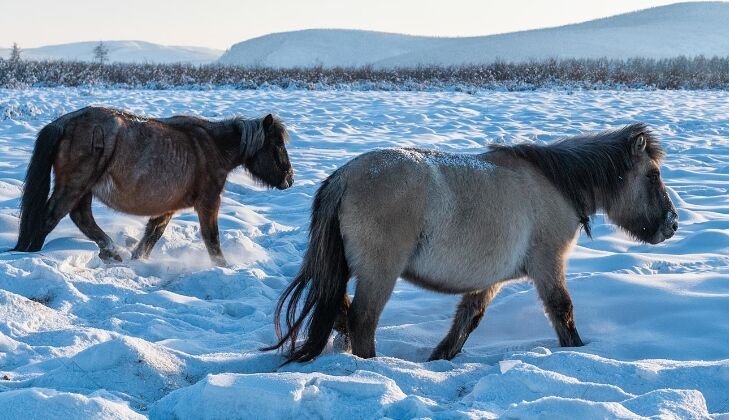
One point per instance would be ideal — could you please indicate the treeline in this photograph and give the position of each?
(671, 73)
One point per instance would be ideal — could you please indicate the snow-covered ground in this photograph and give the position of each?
(174, 338)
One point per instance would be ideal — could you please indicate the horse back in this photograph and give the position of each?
(459, 222)
(143, 167)
(159, 167)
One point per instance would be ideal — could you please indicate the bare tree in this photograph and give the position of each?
(101, 53)
(15, 53)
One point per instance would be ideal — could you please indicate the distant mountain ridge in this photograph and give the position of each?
(690, 29)
(121, 51)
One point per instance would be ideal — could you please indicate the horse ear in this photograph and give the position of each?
(267, 122)
(638, 145)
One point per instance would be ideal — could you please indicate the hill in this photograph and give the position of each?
(121, 51)
(688, 29)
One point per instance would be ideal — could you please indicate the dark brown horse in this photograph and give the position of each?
(145, 167)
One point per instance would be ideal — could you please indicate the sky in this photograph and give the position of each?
(222, 23)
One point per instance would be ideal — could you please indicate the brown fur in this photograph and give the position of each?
(145, 167)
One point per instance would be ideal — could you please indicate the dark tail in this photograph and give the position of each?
(37, 186)
(324, 271)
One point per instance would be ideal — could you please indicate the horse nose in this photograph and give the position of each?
(286, 183)
(672, 220)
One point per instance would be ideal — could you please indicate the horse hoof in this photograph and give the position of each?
(441, 354)
(109, 256)
(137, 256)
(220, 262)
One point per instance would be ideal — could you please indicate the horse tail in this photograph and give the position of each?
(324, 271)
(37, 186)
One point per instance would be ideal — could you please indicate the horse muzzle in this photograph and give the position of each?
(286, 183)
(667, 229)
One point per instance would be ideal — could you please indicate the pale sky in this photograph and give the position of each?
(221, 23)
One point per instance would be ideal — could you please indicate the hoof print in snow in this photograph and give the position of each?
(44, 300)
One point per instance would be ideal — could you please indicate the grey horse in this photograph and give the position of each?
(465, 224)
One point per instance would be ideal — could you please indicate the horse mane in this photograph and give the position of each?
(252, 135)
(585, 167)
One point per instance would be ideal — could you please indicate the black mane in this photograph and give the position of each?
(586, 166)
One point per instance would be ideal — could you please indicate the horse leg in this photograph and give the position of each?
(371, 294)
(468, 315)
(549, 279)
(207, 212)
(60, 203)
(154, 230)
(84, 220)
(340, 326)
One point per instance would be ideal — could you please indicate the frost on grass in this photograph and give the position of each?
(667, 73)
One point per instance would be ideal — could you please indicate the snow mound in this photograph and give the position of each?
(129, 367)
(48, 403)
(523, 386)
(282, 396)
(22, 316)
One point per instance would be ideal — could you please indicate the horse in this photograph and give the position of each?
(465, 224)
(145, 167)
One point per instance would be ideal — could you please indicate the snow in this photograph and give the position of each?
(396, 156)
(47, 403)
(121, 51)
(173, 337)
(688, 29)
(284, 395)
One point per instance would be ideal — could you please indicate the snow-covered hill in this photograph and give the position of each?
(689, 29)
(326, 47)
(121, 51)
